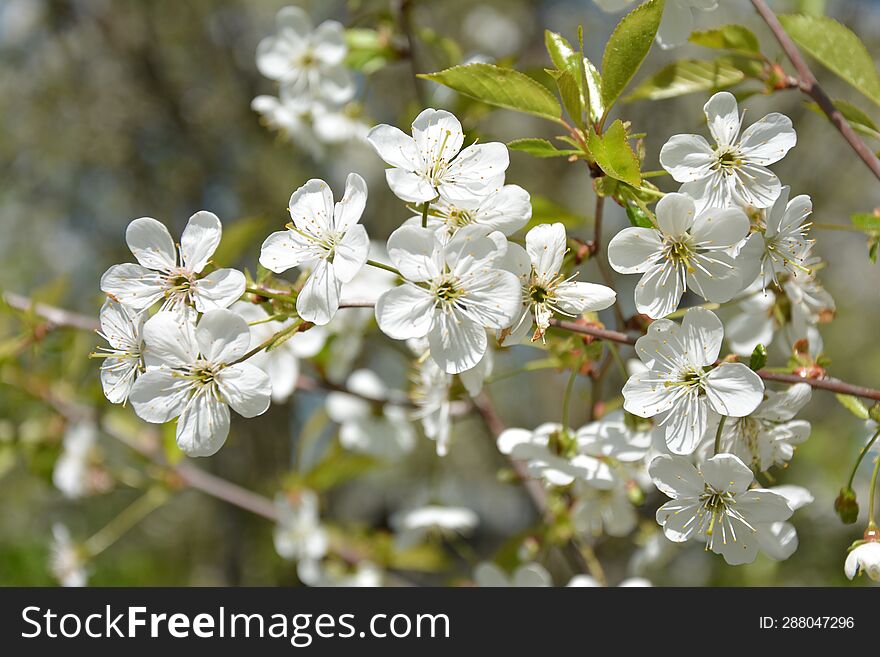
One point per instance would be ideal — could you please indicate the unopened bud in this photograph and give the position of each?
(846, 506)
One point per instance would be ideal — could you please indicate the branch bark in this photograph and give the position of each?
(808, 84)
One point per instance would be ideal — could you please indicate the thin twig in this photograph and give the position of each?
(808, 84)
(404, 21)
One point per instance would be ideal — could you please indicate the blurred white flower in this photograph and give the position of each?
(429, 164)
(308, 62)
(597, 512)
(413, 526)
(162, 273)
(431, 395)
(122, 363)
(325, 238)
(782, 539)
(529, 575)
(545, 290)
(299, 534)
(769, 434)
(453, 291)
(734, 172)
(319, 573)
(282, 362)
(71, 472)
(678, 18)
(591, 582)
(713, 503)
(679, 384)
(192, 373)
(292, 119)
(382, 430)
(67, 559)
(687, 250)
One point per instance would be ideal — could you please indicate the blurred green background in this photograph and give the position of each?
(115, 110)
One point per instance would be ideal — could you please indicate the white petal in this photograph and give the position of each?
(506, 210)
(438, 135)
(546, 246)
(247, 389)
(716, 228)
(783, 406)
(412, 249)
(734, 390)
(203, 426)
(151, 244)
(319, 299)
(645, 396)
(722, 114)
(760, 188)
(675, 214)
(222, 336)
(768, 140)
(657, 293)
(133, 286)
(676, 25)
(405, 312)
(351, 253)
(311, 208)
(457, 343)
(701, 334)
(395, 147)
(509, 439)
(410, 187)
(284, 249)
(577, 298)
(159, 396)
(717, 278)
(219, 289)
(727, 473)
(199, 240)
(478, 170)
(170, 340)
(348, 211)
(687, 157)
(532, 575)
(335, 84)
(488, 575)
(676, 476)
(329, 42)
(633, 250)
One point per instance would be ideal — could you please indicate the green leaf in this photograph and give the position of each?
(572, 95)
(685, 77)
(759, 358)
(594, 87)
(561, 53)
(545, 211)
(854, 405)
(869, 223)
(837, 48)
(614, 155)
(502, 87)
(627, 48)
(857, 118)
(539, 148)
(728, 37)
(637, 216)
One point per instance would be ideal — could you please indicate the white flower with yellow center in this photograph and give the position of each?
(162, 273)
(713, 503)
(432, 163)
(506, 210)
(687, 250)
(325, 238)
(733, 172)
(683, 385)
(123, 362)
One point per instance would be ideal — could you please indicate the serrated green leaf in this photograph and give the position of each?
(854, 405)
(860, 121)
(758, 358)
(539, 148)
(572, 95)
(685, 77)
(614, 155)
(728, 37)
(627, 48)
(838, 49)
(502, 87)
(561, 53)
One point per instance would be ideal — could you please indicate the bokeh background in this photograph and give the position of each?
(114, 110)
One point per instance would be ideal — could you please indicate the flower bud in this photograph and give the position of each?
(846, 506)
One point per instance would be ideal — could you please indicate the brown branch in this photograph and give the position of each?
(56, 317)
(808, 84)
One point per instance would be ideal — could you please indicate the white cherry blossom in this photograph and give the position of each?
(683, 386)
(768, 436)
(364, 574)
(291, 118)
(67, 560)
(506, 210)
(864, 559)
(453, 291)
(733, 172)
(307, 61)
(528, 575)
(193, 374)
(432, 163)
(282, 362)
(174, 277)
(713, 503)
(71, 472)
(545, 290)
(325, 238)
(412, 526)
(299, 534)
(431, 395)
(379, 429)
(597, 512)
(122, 363)
(686, 251)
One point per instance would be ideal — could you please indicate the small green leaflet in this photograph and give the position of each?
(540, 148)
(627, 48)
(614, 155)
